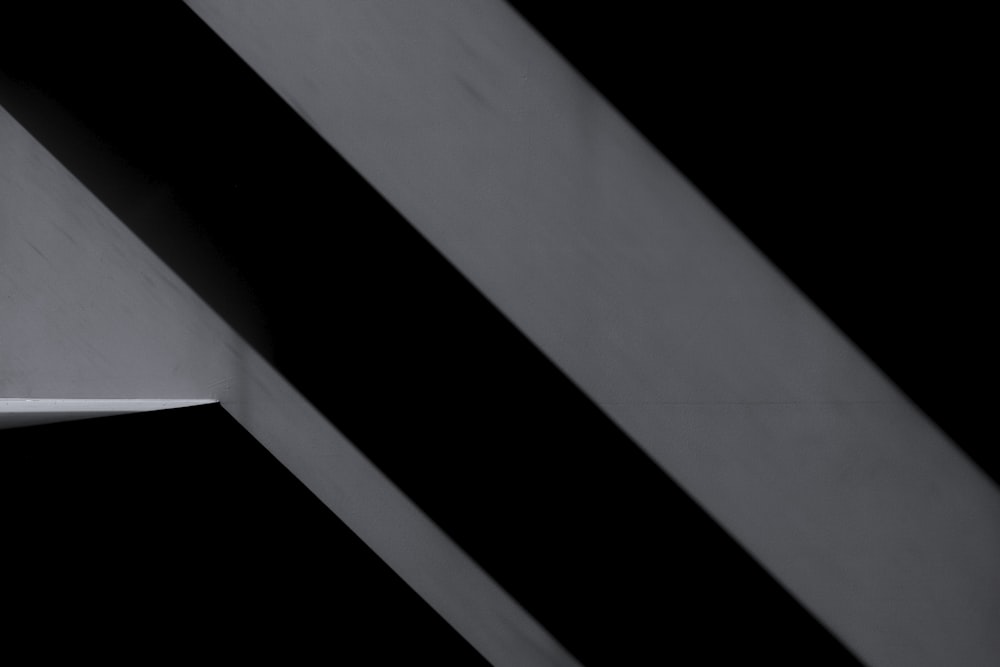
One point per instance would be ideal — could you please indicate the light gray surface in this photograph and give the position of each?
(88, 312)
(17, 412)
(596, 248)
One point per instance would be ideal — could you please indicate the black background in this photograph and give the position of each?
(848, 147)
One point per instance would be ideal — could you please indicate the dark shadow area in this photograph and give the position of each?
(405, 357)
(175, 534)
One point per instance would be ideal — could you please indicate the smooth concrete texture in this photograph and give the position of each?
(88, 312)
(641, 292)
(16, 412)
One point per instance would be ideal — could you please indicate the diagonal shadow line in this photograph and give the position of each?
(422, 373)
(143, 331)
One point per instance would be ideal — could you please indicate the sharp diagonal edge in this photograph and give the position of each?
(89, 312)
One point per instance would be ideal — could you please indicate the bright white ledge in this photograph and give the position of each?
(33, 411)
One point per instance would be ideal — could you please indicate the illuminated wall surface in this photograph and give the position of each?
(603, 336)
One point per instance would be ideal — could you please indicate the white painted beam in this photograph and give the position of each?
(607, 258)
(87, 312)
